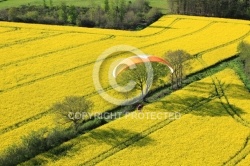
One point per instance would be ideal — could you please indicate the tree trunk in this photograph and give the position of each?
(172, 80)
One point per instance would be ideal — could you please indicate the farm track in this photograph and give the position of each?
(38, 116)
(144, 134)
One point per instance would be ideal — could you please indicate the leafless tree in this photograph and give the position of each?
(177, 59)
(72, 109)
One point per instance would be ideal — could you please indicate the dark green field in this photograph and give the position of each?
(162, 4)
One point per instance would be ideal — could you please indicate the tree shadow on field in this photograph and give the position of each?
(206, 103)
(115, 137)
(118, 138)
(232, 90)
(202, 107)
(53, 154)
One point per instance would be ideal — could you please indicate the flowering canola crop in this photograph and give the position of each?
(41, 64)
(201, 134)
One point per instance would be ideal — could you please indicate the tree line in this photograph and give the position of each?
(218, 8)
(118, 14)
(179, 60)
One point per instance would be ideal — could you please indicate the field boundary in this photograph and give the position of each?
(135, 36)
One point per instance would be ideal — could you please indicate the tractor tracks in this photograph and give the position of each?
(220, 91)
(80, 66)
(240, 155)
(144, 133)
(12, 29)
(56, 51)
(223, 45)
(38, 116)
(30, 40)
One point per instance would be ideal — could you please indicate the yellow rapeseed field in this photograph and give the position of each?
(208, 135)
(199, 136)
(41, 64)
(24, 35)
(245, 161)
(42, 69)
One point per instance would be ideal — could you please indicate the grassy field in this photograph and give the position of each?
(41, 65)
(162, 4)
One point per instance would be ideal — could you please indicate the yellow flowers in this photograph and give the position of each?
(41, 65)
(205, 134)
(192, 140)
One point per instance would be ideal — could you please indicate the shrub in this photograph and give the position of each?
(121, 15)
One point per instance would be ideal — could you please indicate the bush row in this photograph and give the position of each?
(115, 14)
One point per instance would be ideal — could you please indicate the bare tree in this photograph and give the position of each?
(73, 109)
(177, 60)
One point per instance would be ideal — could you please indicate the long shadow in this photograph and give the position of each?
(208, 108)
(115, 137)
(110, 136)
(199, 107)
(233, 90)
(54, 154)
(204, 106)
